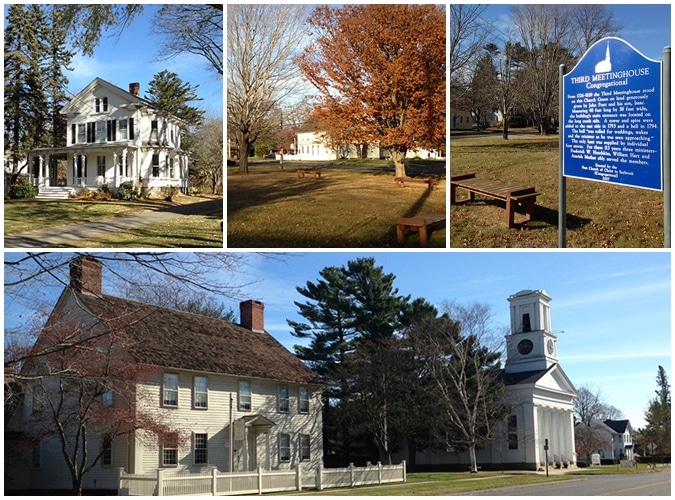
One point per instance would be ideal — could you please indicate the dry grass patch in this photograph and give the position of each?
(599, 215)
(270, 208)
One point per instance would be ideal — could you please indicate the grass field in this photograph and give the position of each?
(345, 208)
(599, 215)
(192, 231)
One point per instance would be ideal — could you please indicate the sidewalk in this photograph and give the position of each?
(58, 236)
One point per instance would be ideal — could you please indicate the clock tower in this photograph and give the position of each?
(532, 345)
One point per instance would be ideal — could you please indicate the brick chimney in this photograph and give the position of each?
(252, 314)
(135, 88)
(85, 275)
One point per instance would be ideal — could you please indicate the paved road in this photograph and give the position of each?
(647, 484)
(53, 237)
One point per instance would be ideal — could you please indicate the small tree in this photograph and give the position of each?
(84, 391)
(465, 372)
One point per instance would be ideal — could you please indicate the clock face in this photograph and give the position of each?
(525, 346)
(550, 346)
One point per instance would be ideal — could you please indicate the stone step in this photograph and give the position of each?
(54, 192)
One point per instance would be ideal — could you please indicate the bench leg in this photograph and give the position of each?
(529, 210)
(400, 229)
(423, 236)
(453, 194)
(510, 212)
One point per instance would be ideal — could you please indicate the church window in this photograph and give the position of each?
(526, 323)
(512, 432)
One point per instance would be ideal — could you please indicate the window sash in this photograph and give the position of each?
(123, 129)
(283, 399)
(284, 447)
(200, 449)
(303, 400)
(170, 390)
(200, 392)
(100, 165)
(106, 453)
(81, 134)
(245, 395)
(155, 165)
(305, 448)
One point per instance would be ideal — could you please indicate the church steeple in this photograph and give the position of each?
(531, 345)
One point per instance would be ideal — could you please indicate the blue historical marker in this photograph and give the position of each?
(611, 117)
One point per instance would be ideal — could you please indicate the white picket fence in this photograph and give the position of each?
(166, 483)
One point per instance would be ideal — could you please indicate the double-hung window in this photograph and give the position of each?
(200, 449)
(170, 389)
(200, 393)
(155, 165)
(513, 432)
(106, 450)
(282, 399)
(303, 400)
(170, 450)
(124, 133)
(100, 166)
(244, 395)
(305, 448)
(154, 137)
(81, 133)
(284, 447)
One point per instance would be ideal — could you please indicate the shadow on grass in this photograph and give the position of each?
(543, 216)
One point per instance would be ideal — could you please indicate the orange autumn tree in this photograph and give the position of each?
(381, 69)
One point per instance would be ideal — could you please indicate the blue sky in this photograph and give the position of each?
(645, 26)
(133, 58)
(611, 310)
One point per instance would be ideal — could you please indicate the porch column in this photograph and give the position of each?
(114, 162)
(41, 176)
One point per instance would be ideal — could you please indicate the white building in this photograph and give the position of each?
(313, 146)
(235, 395)
(541, 424)
(114, 136)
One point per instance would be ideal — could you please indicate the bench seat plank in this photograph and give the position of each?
(512, 195)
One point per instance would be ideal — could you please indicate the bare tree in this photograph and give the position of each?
(262, 42)
(208, 155)
(468, 35)
(592, 23)
(466, 372)
(192, 29)
(589, 405)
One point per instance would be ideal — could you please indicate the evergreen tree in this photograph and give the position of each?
(25, 109)
(354, 317)
(169, 93)
(658, 416)
(57, 59)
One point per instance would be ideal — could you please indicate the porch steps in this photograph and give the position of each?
(54, 192)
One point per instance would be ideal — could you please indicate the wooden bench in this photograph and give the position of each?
(422, 224)
(432, 184)
(315, 173)
(525, 197)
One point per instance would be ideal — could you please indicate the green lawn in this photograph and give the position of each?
(273, 208)
(192, 231)
(599, 215)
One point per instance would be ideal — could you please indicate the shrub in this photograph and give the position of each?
(168, 192)
(127, 191)
(22, 189)
(85, 193)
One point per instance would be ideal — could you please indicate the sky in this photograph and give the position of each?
(645, 26)
(611, 310)
(132, 57)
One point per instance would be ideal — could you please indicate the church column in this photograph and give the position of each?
(41, 176)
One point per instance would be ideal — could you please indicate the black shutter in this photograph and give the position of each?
(131, 129)
(73, 132)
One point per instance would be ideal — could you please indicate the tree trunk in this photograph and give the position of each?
(472, 457)
(398, 156)
(244, 148)
(505, 130)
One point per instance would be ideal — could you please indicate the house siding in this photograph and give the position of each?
(215, 422)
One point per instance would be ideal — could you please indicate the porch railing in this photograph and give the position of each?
(167, 483)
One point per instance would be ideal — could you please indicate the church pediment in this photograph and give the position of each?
(552, 379)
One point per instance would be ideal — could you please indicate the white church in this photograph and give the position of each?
(540, 428)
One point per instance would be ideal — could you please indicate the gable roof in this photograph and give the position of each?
(618, 426)
(551, 378)
(79, 99)
(178, 340)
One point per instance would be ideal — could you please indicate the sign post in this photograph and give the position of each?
(611, 118)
